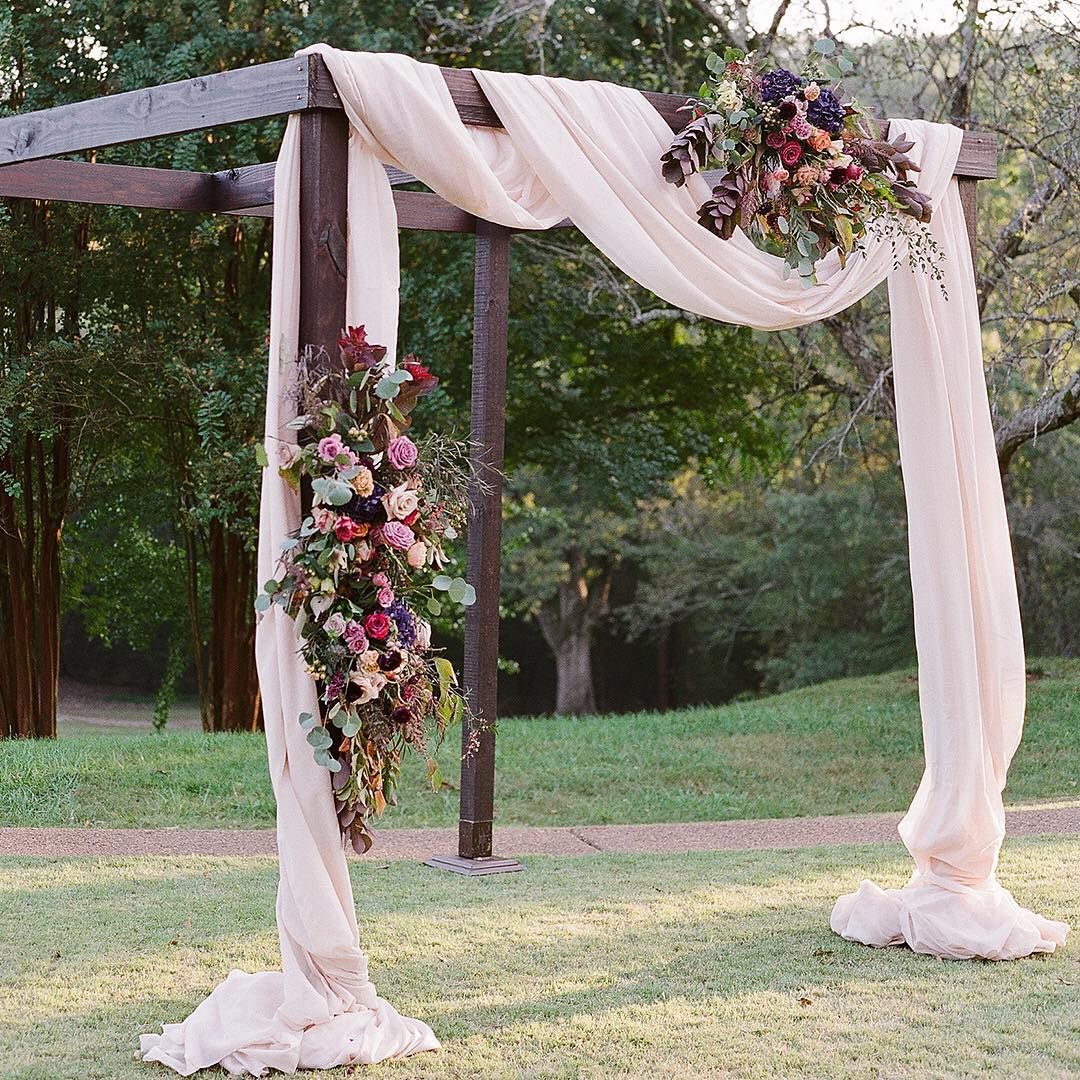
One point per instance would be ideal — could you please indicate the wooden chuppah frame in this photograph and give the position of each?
(303, 85)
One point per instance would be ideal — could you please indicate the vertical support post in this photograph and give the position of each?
(491, 298)
(969, 188)
(324, 161)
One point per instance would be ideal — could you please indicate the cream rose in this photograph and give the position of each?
(400, 502)
(370, 685)
(416, 556)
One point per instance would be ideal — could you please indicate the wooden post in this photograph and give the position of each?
(324, 162)
(491, 298)
(969, 194)
(324, 159)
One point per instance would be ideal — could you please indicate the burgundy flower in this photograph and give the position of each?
(357, 351)
(787, 110)
(377, 625)
(791, 153)
(853, 171)
(346, 529)
(775, 139)
(390, 661)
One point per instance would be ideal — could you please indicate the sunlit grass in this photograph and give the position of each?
(848, 746)
(596, 966)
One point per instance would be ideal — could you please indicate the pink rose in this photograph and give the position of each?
(402, 452)
(335, 624)
(330, 447)
(398, 536)
(791, 153)
(853, 171)
(350, 459)
(380, 580)
(801, 128)
(775, 139)
(355, 637)
(386, 596)
(417, 555)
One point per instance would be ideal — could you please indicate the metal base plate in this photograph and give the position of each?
(473, 867)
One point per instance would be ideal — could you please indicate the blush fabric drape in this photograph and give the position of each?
(589, 151)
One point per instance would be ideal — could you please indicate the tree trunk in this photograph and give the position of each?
(574, 694)
(233, 681)
(567, 622)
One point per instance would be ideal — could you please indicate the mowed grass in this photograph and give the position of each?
(705, 965)
(852, 745)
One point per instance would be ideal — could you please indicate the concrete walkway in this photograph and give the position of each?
(1050, 819)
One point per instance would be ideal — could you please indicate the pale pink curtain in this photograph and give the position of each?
(589, 151)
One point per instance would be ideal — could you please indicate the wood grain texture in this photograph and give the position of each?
(484, 543)
(283, 86)
(969, 197)
(324, 143)
(228, 97)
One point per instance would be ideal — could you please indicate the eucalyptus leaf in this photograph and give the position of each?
(386, 388)
(825, 46)
(263, 602)
(442, 582)
(261, 457)
(307, 721)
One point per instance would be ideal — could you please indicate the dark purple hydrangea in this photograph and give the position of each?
(826, 112)
(779, 84)
(403, 620)
(367, 508)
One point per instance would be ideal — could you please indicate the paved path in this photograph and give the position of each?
(1035, 820)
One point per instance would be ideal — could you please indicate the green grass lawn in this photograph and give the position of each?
(595, 966)
(852, 745)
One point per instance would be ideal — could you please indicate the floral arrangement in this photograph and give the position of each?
(367, 558)
(802, 170)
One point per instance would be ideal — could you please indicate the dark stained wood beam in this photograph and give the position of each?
(273, 89)
(246, 191)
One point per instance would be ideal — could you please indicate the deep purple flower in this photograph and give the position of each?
(779, 84)
(367, 508)
(335, 686)
(826, 112)
(403, 620)
(403, 715)
(389, 660)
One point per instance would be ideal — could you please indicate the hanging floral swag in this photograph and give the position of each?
(367, 558)
(802, 171)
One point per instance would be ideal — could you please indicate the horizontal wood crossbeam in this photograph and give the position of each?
(273, 89)
(247, 191)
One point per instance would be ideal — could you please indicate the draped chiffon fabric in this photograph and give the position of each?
(589, 151)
